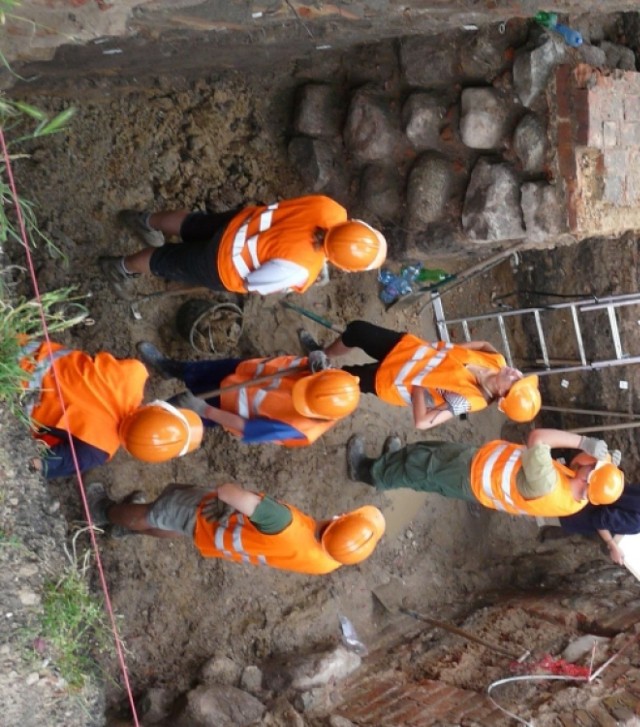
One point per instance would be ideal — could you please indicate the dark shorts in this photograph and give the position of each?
(194, 261)
(376, 342)
(176, 508)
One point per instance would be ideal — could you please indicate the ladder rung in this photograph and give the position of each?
(615, 331)
(541, 338)
(578, 332)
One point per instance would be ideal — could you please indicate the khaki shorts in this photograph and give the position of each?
(176, 508)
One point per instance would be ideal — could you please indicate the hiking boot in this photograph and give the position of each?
(358, 465)
(151, 356)
(392, 444)
(99, 503)
(138, 223)
(113, 271)
(308, 342)
(136, 497)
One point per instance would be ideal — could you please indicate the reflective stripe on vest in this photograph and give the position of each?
(236, 542)
(39, 372)
(241, 243)
(405, 389)
(250, 407)
(505, 479)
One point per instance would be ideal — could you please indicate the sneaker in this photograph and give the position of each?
(137, 222)
(356, 460)
(152, 357)
(307, 341)
(392, 444)
(99, 503)
(112, 268)
(137, 497)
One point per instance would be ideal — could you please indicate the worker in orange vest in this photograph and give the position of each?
(259, 249)
(292, 409)
(512, 478)
(100, 410)
(245, 527)
(438, 380)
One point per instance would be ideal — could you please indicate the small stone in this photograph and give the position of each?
(32, 679)
(251, 679)
(28, 598)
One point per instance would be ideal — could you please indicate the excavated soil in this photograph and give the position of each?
(222, 142)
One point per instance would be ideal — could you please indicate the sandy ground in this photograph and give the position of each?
(222, 142)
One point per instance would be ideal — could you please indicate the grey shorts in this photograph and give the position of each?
(176, 508)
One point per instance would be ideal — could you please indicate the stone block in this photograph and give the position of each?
(219, 706)
(315, 161)
(311, 671)
(619, 56)
(532, 68)
(530, 143)
(485, 52)
(428, 62)
(381, 191)
(429, 189)
(542, 211)
(610, 134)
(318, 111)
(492, 203)
(630, 133)
(220, 670)
(593, 55)
(422, 116)
(372, 130)
(484, 118)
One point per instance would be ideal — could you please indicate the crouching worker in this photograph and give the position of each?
(437, 380)
(513, 478)
(293, 407)
(245, 527)
(95, 401)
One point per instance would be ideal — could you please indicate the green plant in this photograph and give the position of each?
(73, 624)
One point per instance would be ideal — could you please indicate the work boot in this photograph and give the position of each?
(358, 465)
(308, 342)
(113, 270)
(133, 498)
(392, 444)
(99, 503)
(138, 223)
(166, 367)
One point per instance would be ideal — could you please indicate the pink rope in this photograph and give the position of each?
(83, 495)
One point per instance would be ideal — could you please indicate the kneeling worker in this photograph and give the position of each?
(513, 478)
(293, 408)
(245, 527)
(96, 401)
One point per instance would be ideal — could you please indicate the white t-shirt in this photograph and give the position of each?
(276, 275)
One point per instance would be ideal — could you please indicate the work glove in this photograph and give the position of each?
(186, 400)
(319, 361)
(616, 457)
(597, 448)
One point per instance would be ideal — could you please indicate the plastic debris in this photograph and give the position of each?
(350, 637)
(550, 21)
(411, 277)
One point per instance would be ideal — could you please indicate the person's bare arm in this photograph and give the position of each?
(238, 498)
(227, 419)
(479, 346)
(426, 418)
(554, 438)
(615, 553)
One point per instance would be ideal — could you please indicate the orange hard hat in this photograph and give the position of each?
(330, 394)
(606, 483)
(355, 246)
(352, 537)
(158, 432)
(523, 401)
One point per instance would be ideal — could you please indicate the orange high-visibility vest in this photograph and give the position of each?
(493, 480)
(98, 392)
(283, 230)
(437, 366)
(272, 399)
(296, 548)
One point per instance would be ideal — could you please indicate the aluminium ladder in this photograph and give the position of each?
(577, 309)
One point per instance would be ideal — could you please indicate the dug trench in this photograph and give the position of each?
(221, 141)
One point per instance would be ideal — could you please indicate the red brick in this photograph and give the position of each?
(621, 619)
(601, 717)
(610, 134)
(409, 711)
(614, 190)
(630, 133)
(564, 83)
(567, 162)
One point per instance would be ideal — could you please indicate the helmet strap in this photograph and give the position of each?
(177, 413)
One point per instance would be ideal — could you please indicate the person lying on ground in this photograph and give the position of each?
(259, 249)
(609, 522)
(513, 478)
(294, 408)
(235, 524)
(438, 380)
(96, 402)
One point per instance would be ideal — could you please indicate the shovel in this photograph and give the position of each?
(389, 596)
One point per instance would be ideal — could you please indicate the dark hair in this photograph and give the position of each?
(319, 235)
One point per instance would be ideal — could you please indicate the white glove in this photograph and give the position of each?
(616, 457)
(597, 448)
(186, 400)
(318, 361)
